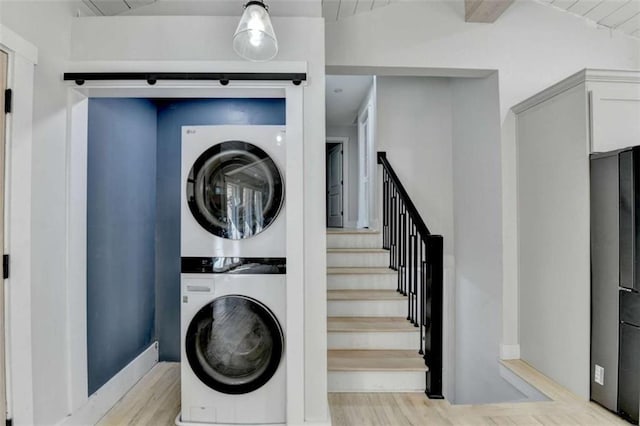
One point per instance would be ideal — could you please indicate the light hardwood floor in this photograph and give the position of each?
(399, 409)
(155, 400)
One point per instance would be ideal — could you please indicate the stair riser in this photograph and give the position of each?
(367, 308)
(354, 241)
(376, 381)
(357, 260)
(373, 340)
(362, 281)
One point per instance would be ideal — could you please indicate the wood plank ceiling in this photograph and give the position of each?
(333, 10)
(114, 7)
(622, 15)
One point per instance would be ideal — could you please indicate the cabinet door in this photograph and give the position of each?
(615, 116)
(629, 374)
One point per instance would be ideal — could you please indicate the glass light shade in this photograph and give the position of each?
(255, 39)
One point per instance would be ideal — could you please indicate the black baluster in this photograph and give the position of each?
(385, 208)
(415, 278)
(404, 249)
(417, 257)
(410, 277)
(422, 290)
(393, 230)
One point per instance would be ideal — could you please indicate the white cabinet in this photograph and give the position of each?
(556, 130)
(614, 115)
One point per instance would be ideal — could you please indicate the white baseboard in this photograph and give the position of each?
(111, 392)
(315, 423)
(509, 352)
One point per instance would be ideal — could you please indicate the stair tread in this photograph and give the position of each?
(370, 324)
(351, 231)
(360, 270)
(364, 295)
(356, 250)
(374, 360)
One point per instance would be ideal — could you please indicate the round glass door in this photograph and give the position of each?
(234, 344)
(235, 190)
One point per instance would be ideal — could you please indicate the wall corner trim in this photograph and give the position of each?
(104, 399)
(17, 44)
(509, 352)
(585, 75)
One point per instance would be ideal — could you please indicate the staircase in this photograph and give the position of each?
(372, 346)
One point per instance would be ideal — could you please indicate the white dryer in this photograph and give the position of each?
(233, 344)
(233, 191)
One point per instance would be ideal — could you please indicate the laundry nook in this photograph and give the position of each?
(215, 201)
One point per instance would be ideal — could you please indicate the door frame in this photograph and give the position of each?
(4, 84)
(88, 409)
(367, 216)
(344, 141)
(367, 115)
(23, 56)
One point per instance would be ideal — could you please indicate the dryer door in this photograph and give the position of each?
(234, 344)
(235, 190)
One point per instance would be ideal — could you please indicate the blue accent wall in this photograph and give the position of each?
(121, 226)
(172, 115)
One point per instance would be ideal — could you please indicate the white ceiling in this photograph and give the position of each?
(344, 95)
(622, 15)
(333, 10)
(114, 7)
(200, 7)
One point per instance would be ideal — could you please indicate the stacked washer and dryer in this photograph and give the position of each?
(233, 283)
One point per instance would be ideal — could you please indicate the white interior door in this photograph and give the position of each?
(3, 86)
(364, 197)
(335, 198)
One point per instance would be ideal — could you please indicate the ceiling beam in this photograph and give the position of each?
(484, 11)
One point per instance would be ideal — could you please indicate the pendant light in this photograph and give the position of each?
(255, 39)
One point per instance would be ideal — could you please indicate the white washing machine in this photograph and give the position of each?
(233, 346)
(233, 191)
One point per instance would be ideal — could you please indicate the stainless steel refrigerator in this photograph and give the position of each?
(615, 281)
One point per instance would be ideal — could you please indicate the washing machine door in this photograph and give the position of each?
(234, 344)
(235, 190)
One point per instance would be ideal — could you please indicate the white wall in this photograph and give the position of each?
(414, 127)
(477, 241)
(442, 138)
(351, 132)
(109, 43)
(531, 45)
(554, 223)
(47, 25)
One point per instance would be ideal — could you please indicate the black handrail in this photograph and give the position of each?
(417, 255)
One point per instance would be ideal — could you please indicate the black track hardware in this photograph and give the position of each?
(151, 78)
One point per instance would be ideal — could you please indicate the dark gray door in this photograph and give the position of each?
(335, 187)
